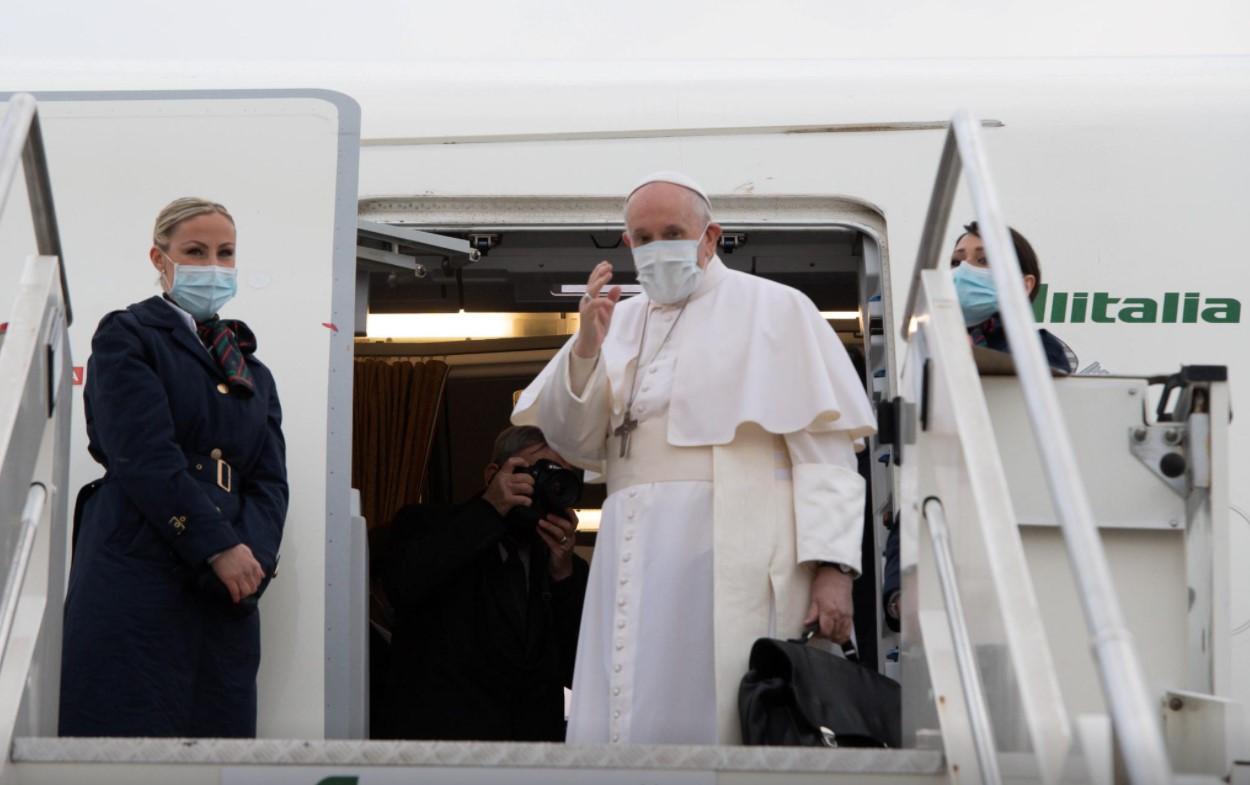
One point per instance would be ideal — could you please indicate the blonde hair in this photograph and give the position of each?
(180, 210)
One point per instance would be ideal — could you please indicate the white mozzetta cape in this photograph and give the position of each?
(751, 351)
(755, 361)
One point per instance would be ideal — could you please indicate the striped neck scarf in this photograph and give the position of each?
(229, 341)
(981, 333)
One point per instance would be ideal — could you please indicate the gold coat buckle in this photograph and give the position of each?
(225, 476)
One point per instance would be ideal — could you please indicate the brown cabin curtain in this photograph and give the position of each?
(395, 411)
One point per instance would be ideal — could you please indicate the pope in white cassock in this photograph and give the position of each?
(724, 414)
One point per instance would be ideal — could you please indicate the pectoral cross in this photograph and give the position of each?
(624, 431)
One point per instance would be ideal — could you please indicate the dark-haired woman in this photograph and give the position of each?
(175, 544)
(979, 299)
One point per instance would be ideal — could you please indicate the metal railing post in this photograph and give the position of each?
(1135, 718)
(32, 513)
(965, 657)
(21, 142)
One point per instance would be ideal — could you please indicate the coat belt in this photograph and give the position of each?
(214, 471)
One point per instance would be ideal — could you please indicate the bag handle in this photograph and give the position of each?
(848, 646)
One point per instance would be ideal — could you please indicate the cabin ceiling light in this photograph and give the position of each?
(588, 520)
(468, 326)
(578, 289)
(442, 326)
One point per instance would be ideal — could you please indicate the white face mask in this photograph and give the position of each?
(669, 269)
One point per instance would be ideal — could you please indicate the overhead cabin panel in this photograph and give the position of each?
(543, 270)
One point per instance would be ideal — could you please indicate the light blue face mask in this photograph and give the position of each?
(669, 270)
(202, 290)
(977, 296)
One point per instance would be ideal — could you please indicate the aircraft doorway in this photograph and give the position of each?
(491, 325)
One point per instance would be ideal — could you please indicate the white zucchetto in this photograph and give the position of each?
(675, 178)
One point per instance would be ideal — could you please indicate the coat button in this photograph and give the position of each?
(215, 454)
(223, 388)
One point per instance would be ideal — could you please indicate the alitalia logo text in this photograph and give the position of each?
(1101, 308)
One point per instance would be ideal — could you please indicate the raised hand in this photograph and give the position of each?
(596, 312)
(510, 488)
(560, 534)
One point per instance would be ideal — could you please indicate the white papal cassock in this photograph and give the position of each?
(740, 477)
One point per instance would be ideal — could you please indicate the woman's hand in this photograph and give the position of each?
(239, 571)
(595, 312)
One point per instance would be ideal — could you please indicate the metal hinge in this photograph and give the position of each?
(1162, 449)
(731, 241)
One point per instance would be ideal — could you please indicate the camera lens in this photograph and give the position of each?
(559, 487)
(563, 489)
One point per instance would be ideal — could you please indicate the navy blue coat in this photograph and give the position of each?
(994, 335)
(149, 648)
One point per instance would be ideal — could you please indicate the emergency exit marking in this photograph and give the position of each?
(78, 374)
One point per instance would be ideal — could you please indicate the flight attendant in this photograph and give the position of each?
(979, 300)
(175, 544)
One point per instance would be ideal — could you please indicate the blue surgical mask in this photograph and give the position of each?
(669, 269)
(202, 290)
(977, 296)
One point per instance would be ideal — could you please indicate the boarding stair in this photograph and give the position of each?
(984, 699)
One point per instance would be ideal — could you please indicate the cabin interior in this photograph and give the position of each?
(443, 344)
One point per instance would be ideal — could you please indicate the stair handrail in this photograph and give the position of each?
(32, 513)
(961, 643)
(1134, 716)
(21, 143)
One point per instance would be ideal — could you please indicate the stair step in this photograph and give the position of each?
(39, 759)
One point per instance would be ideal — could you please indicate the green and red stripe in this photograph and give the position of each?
(229, 341)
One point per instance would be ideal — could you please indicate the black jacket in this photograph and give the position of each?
(476, 653)
(146, 653)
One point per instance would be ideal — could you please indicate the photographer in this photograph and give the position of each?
(488, 599)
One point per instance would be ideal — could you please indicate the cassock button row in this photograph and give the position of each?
(616, 690)
(653, 370)
(618, 667)
(633, 494)
(620, 603)
(624, 581)
(631, 515)
(223, 388)
(616, 738)
(620, 625)
(646, 388)
(629, 535)
(616, 715)
(626, 557)
(619, 645)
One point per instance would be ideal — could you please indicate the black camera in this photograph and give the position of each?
(556, 489)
